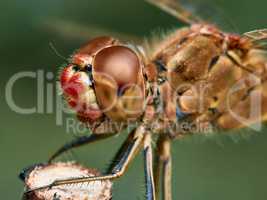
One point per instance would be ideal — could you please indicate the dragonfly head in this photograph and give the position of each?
(104, 80)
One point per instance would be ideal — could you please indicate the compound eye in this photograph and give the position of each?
(119, 63)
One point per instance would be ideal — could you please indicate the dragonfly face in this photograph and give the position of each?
(104, 80)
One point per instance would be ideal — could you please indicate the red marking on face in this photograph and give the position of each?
(78, 93)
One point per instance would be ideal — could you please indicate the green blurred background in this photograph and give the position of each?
(220, 169)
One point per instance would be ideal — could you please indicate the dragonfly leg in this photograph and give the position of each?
(164, 163)
(77, 142)
(158, 163)
(167, 172)
(148, 156)
(134, 142)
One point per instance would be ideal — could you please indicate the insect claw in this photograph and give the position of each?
(39, 188)
(31, 190)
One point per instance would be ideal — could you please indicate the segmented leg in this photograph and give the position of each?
(79, 142)
(167, 172)
(174, 8)
(134, 142)
(164, 164)
(157, 168)
(148, 155)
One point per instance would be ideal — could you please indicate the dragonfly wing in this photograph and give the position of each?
(258, 38)
(260, 34)
(196, 11)
(74, 30)
(175, 9)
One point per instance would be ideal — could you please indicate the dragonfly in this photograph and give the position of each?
(196, 80)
